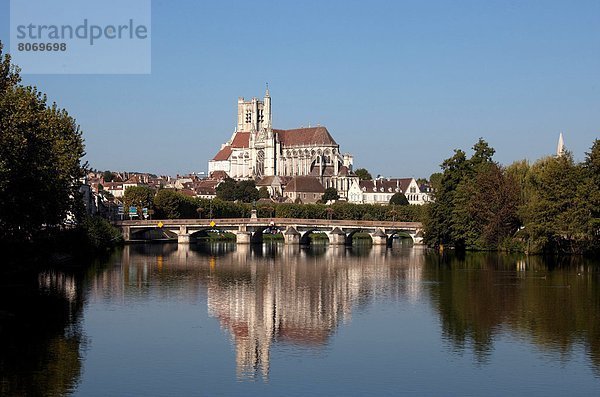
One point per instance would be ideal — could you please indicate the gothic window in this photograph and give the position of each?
(260, 163)
(248, 116)
(260, 116)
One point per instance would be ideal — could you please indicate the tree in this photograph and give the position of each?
(246, 191)
(399, 199)
(435, 181)
(438, 219)
(40, 160)
(493, 207)
(138, 196)
(591, 195)
(226, 190)
(483, 153)
(108, 176)
(331, 194)
(263, 192)
(556, 213)
(167, 203)
(448, 219)
(230, 190)
(363, 174)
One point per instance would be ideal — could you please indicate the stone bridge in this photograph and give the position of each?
(250, 230)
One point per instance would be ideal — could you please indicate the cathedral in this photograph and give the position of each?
(258, 151)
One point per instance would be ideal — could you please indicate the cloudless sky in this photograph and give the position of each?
(399, 84)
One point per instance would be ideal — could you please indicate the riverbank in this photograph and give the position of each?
(95, 237)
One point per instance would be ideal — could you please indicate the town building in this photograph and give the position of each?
(304, 189)
(381, 190)
(256, 150)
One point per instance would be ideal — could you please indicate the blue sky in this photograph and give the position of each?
(399, 84)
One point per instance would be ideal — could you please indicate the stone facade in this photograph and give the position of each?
(256, 150)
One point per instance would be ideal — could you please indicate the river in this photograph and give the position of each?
(221, 319)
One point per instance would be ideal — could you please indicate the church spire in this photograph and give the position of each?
(560, 149)
(268, 122)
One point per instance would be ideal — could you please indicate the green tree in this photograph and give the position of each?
(556, 214)
(40, 159)
(138, 196)
(399, 199)
(331, 193)
(167, 204)
(519, 173)
(590, 191)
(493, 206)
(108, 176)
(226, 190)
(435, 180)
(363, 174)
(482, 153)
(263, 192)
(449, 219)
(246, 192)
(438, 222)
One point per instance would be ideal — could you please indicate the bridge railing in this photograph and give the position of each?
(268, 221)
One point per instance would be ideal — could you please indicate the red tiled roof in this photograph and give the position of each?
(273, 180)
(206, 186)
(188, 192)
(133, 179)
(305, 136)
(223, 154)
(306, 184)
(241, 140)
(219, 175)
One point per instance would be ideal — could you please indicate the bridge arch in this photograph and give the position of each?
(401, 233)
(305, 238)
(350, 236)
(152, 234)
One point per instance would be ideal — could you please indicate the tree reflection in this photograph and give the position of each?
(556, 306)
(40, 340)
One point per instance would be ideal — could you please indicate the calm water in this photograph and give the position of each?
(275, 320)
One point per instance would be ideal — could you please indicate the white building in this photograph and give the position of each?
(256, 150)
(380, 191)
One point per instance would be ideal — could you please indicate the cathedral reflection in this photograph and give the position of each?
(296, 295)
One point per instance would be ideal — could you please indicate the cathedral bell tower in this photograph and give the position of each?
(255, 118)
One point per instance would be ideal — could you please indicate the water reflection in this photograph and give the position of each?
(40, 337)
(271, 298)
(289, 295)
(266, 294)
(553, 303)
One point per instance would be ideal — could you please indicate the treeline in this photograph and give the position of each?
(41, 147)
(40, 151)
(551, 206)
(170, 204)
